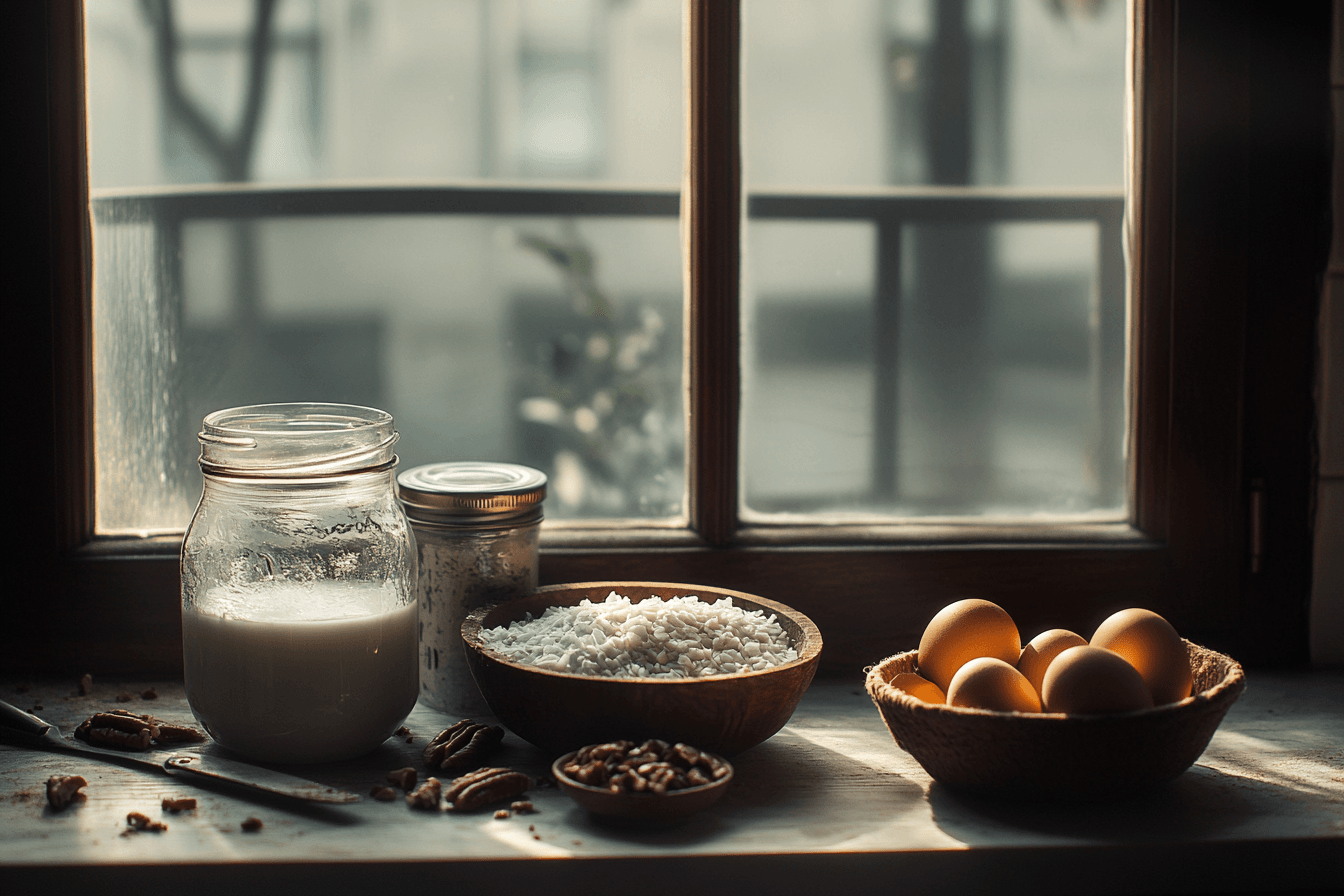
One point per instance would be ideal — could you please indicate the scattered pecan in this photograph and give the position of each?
(85, 684)
(62, 790)
(181, 804)
(463, 746)
(170, 733)
(251, 824)
(124, 698)
(117, 730)
(123, 730)
(488, 785)
(117, 739)
(119, 720)
(149, 694)
(403, 778)
(426, 796)
(501, 813)
(653, 766)
(522, 806)
(383, 794)
(138, 821)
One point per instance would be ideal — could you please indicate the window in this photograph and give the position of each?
(932, 296)
(1212, 365)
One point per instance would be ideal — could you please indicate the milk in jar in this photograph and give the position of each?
(321, 671)
(299, 611)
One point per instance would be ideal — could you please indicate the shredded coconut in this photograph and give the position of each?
(681, 637)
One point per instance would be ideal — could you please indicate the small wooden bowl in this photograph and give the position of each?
(640, 806)
(1056, 757)
(558, 712)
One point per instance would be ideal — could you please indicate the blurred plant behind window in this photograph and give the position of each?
(551, 341)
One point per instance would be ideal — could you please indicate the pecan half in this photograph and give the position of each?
(426, 796)
(123, 730)
(403, 778)
(62, 790)
(465, 745)
(488, 785)
(119, 720)
(118, 739)
(177, 734)
(138, 821)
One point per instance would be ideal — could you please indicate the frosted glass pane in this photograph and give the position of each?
(1001, 392)
(143, 473)
(870, 92)
(996, 389)
(467, 330)
(934, 300)
(420, 89)
(552, 340)
(808, 388)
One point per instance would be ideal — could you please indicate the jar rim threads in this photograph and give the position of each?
(296, 439)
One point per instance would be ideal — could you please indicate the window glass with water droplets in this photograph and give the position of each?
(463, 212)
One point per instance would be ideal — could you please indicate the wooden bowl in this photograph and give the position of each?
(558, 712)
(1056, 757)
(640, 806)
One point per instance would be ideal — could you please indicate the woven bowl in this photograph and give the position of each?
(556, 711)
(1051, 756)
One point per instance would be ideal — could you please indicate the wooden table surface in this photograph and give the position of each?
(829, 803)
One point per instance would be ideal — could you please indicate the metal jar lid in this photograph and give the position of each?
(472, 493)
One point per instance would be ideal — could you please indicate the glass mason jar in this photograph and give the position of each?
(476, 525)
(298, 584)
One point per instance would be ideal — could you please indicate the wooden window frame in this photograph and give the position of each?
(1233, 215)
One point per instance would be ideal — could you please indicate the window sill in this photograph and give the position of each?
(829, 795)
(607, 535)
(871, 591)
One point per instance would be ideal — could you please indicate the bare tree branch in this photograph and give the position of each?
(232, 156)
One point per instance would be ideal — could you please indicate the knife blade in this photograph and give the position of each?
(197, 767)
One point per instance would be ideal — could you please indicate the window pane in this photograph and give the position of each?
(809, 347)
(494, 312)
(934, 301)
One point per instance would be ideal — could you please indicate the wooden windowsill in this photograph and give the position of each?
(828, 803)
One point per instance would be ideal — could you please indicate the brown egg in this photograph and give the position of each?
(989, 683)
(1152, 646)
(1095, 681)
(1043, 648)
(918, 687)
(963, 631)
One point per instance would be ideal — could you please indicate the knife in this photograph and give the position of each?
(192, 767)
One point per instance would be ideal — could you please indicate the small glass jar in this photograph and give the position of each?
(298, 584)
(476, 527)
